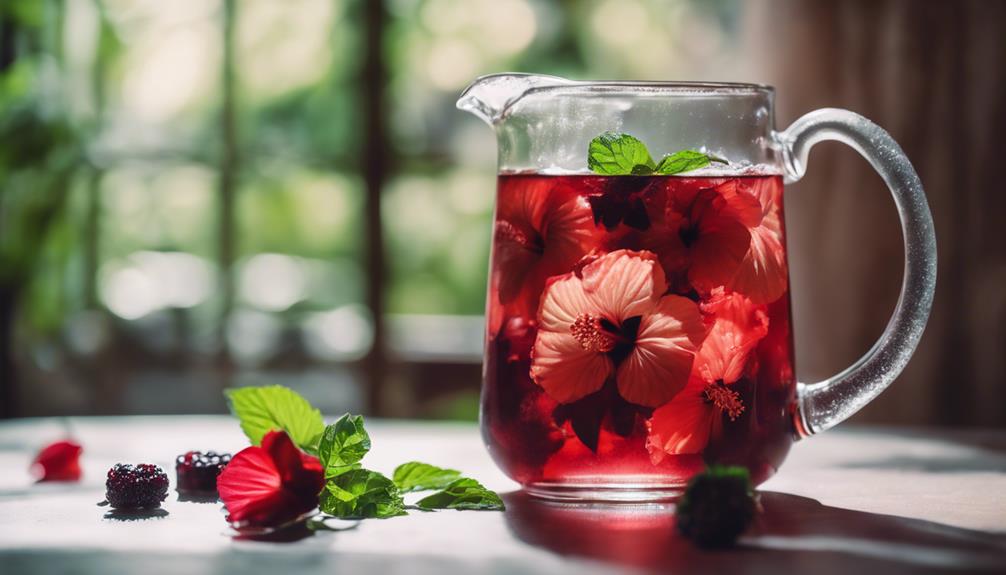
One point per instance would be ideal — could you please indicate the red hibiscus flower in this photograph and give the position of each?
(612, 319)
(701, 233)
(762, 274)
(542, 229)
(270, 485)
(59, 461)
(686, 423)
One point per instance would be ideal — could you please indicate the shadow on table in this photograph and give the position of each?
(792, 534)
(973, 464)
(135, 514)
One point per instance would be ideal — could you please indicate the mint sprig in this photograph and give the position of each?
(351, 491)
(264, 409)
(617, 154)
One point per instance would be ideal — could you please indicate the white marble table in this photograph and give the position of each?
(852, 500)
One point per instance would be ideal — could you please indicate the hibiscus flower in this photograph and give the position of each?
(687, 422)
(762, 274)
(701, 233)
(59, 461)
(270, 485)
(542, 229)
(611, 318)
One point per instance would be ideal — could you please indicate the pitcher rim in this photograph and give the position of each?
(686, 86)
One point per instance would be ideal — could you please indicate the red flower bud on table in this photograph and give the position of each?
(270, 485)
(58, 461)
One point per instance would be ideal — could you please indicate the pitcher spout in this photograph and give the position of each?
(490, 96)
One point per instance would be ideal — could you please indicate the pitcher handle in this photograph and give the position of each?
(823, 404)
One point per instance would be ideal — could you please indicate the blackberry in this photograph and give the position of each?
(717, 507)
(197, 471)
(140, 486)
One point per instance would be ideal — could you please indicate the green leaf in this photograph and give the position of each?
(263, 409)
(615, 154)
(463, 493)
(360, 493)
(416, 476)
(343, 445)
(685, 161)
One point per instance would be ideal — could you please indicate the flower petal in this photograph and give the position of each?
(564, 301)
(567, 231)
(682, 426)
(542, 229)
(660, 362)
(624, 284)
(737, 328)
(271, 484)
(514, 260)
(59, 461)
(523, 200)
(717, 256)
(762, 275)
(249, 479)
(298, 471)
(564, 369)
(723, 238)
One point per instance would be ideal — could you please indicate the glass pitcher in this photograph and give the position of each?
(638, 314)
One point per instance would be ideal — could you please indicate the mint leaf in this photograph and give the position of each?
(360, 493)
(463, 493)
(416, 476)
(263, 409)
(343, 445)
(685, 161)
(614, 154)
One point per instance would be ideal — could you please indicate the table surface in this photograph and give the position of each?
(891, 499)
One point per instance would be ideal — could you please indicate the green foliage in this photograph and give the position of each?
(618, 154)
(614, 154)
(463, 493)
(343, 445)
(264, 409)
(416, 476)
(352, 492)
(685, 161)
(361, 493)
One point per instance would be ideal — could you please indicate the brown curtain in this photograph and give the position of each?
(933, 73)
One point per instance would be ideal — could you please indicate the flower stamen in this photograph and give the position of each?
(592, 336)
(725, 399)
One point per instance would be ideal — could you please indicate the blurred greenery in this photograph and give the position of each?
(114, 152)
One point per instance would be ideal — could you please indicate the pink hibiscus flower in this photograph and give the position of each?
(687, 422)
(541, 230)
(611, 318)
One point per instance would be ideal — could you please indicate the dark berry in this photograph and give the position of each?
(140, 486)
(717, 507)
(197, 471)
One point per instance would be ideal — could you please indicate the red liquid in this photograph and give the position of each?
(638, 329)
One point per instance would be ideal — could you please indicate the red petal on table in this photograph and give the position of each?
(59, 461)
(270, 485)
